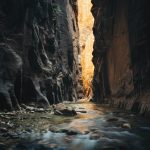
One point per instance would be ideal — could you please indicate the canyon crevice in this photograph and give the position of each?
(86, 40)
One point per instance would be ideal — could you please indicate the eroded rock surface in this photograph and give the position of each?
(121, 54)
(38, 52)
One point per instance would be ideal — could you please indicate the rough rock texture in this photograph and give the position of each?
(86, 40)
(121, 54)
(38, 52)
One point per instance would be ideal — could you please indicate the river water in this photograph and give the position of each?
(99, 128)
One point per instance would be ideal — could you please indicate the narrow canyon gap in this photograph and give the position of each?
(86, 40)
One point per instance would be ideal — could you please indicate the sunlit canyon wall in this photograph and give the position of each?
(85, 22)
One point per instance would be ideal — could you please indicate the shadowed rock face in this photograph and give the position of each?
(10, 63)
(38, 52)
(121, 53)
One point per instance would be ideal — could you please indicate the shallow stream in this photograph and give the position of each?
(96, 128)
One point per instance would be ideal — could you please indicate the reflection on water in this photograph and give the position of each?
(98, 129)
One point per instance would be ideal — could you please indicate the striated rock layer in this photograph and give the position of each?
(121, 54)
(39, 52)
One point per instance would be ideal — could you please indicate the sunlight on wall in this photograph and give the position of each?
(85, 20)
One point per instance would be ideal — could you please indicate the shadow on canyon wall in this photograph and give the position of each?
(38, 52)
(121, 54)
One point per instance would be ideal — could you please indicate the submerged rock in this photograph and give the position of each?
(70, 131)
(112, 119)
(65, 111)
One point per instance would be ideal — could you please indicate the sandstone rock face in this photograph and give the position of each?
(86, 40)
(39, 52)
(121, 54)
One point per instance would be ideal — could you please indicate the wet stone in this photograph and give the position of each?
(3, 130)
(63, 130)
(86, 132)
(126, 126)
(112, 119)
(81, 111)
(72, 132)
(53, 145)
(11, 135)
(94, 129)
(65, 112)
(28, 130)
(68, 140)
(40, 110)
(132, 115)
(94, 136)
(53, 129)
(69, 131)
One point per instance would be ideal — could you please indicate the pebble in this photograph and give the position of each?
(132, 115)
(94, 129)
(28, 130)
(53, 145)
(39, 110)
(94, 136)
(53, 129)
(72, 132)
(68, 140)
(126, 125)
(86, 132)
(69, 131)
(81, 111)
(3, 130)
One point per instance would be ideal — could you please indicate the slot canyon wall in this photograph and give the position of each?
(39, 52)
(121, 54)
